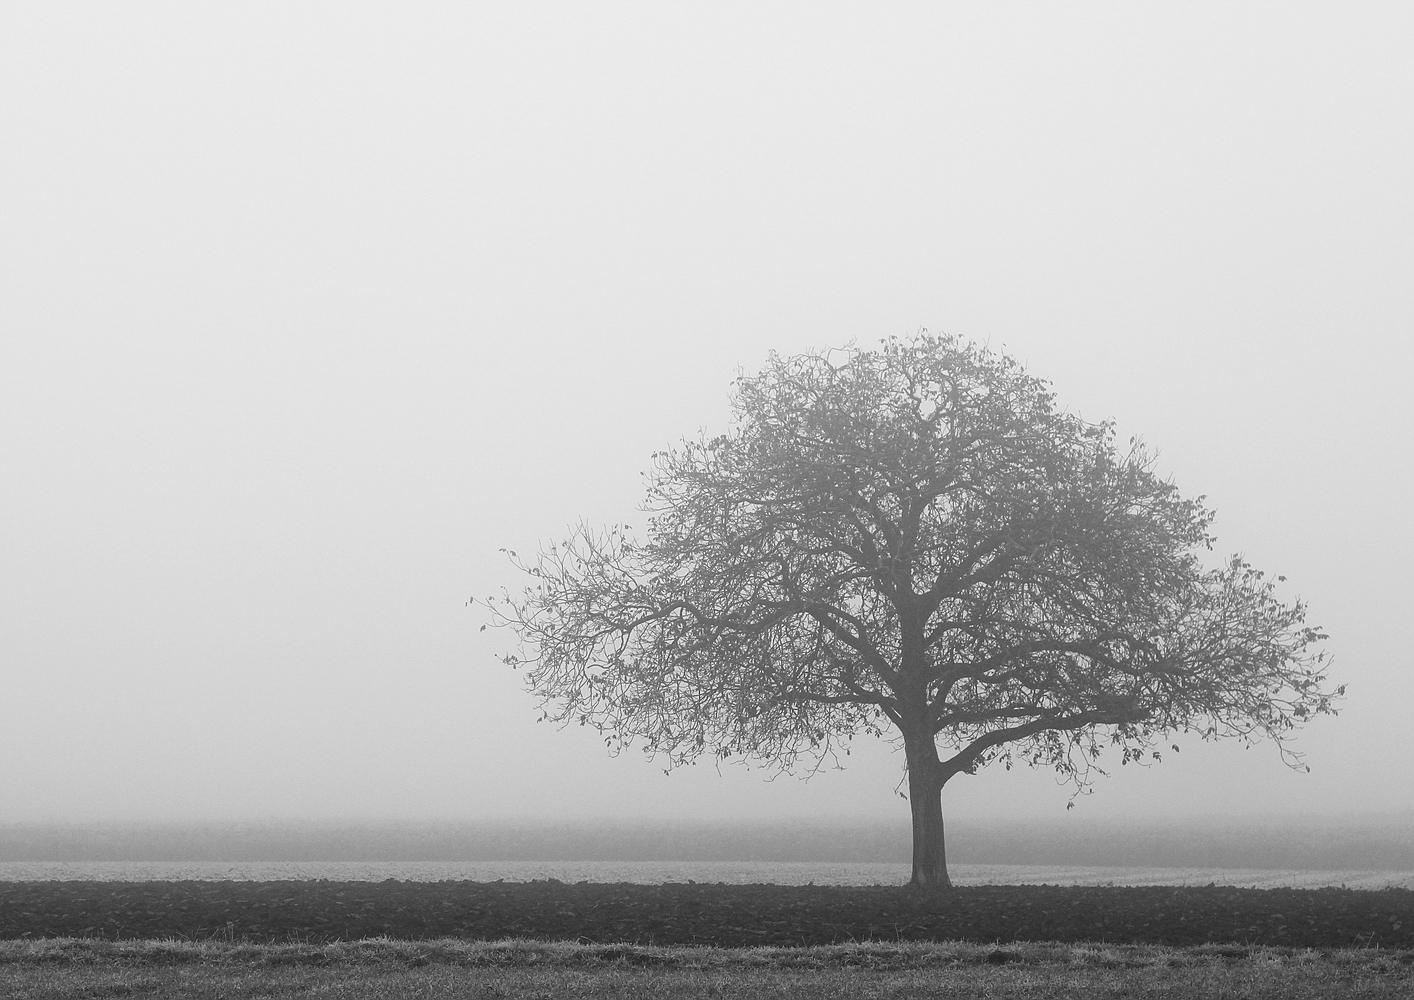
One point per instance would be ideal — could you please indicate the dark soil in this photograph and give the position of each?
(723, 915)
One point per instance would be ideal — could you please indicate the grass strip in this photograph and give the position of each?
(528, 952)
(383, 969)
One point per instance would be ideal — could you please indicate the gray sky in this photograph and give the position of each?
(307, 310)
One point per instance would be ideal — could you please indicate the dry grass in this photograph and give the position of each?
(382, 968)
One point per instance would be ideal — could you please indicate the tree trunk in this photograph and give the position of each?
(925, 798)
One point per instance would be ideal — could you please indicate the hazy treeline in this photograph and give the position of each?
(1382, 843)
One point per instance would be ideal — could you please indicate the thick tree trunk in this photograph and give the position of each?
(925, 798)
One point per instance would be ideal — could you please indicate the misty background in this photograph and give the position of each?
(308, 311)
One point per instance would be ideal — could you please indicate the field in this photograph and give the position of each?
(552, 939)
(1290, 843)
(51, 969)
(718, 915)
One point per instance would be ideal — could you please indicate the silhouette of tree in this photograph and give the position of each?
(914, 541)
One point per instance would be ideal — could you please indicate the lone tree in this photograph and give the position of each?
(912, 538)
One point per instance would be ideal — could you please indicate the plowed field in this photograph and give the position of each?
(721, 915)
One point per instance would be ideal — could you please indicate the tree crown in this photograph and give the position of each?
(912, 537)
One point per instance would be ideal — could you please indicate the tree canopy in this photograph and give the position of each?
(914, 541)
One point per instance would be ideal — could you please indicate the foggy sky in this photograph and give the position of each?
(306, 311)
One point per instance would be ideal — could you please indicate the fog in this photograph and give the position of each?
(308, 311)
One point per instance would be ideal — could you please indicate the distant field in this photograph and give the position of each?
(519, 970)
(660, 872)
(1370, 844)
